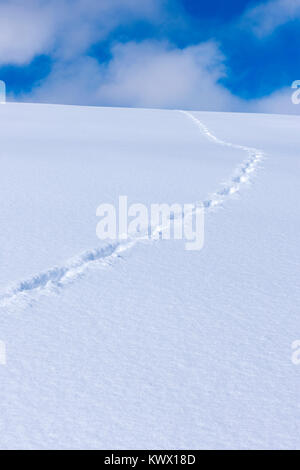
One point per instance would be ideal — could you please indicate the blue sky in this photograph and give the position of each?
(220, 55)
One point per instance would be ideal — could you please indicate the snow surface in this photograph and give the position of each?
(142, 344)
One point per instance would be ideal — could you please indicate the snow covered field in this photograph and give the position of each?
(144, 344)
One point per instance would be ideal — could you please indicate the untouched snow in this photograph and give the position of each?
(143, 344)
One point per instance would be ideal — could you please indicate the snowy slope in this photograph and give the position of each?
(146, 345)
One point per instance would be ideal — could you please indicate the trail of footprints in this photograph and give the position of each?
(57, 277)
(242, 174)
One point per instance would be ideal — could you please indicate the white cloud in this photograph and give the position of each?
(25, 31)
(70, 83)
(155, 74)
(265, 18)
(63, 28)
(148, 74)
(279, 102)
(84, 22)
